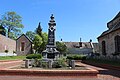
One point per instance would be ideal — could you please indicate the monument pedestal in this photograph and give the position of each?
(51, 53)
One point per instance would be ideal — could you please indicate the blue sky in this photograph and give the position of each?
(75, 18)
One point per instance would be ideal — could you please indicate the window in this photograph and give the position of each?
(117, 43)
(22, 46)
(103, 48)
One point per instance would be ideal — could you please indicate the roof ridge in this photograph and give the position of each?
(118, 15)
(25, 36)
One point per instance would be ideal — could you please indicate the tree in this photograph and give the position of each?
(2, 30)
(44, 40)
(13, 23)
(44, 37)
(61, 47)
(30, 34)
(37, 43)
(39, 30)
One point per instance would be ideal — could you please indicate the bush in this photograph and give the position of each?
(6, 51)
(44, 64)
(76, 57)
(70, 57)
(64, 54)
(116, 54)
(84, 57)
(34, 56)
(59, 63)
(14, 52)
(113, 62)
(97, 54)
(56, 64)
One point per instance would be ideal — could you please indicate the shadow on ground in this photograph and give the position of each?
(105, 71)
(115, 73)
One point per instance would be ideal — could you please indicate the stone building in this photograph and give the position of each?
(109, 40)
(7, 44)
(23, 45)
(82, 47)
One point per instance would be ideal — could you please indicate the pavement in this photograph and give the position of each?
(42, 78)
(7, 54)
(104, 74)
(9, 64)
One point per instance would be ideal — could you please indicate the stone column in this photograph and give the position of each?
(50, 63)
(28, 63)
(73, 64)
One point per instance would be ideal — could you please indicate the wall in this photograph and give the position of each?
(28, 46)
(110, 43)
(7, 44)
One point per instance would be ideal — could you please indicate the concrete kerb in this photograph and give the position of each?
(29, 72)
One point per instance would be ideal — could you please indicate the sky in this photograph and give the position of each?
(75, 19)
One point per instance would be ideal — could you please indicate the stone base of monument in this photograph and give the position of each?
(50, 55)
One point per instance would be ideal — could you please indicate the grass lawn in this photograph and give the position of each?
(12, 57)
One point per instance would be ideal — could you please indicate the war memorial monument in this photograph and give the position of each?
(51, 52)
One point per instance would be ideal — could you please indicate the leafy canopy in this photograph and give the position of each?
(30, 34)
(37, 42)
(60, 46)
(44, 39)
(13, 23)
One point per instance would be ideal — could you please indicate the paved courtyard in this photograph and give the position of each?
(104, 74)
(43, 78)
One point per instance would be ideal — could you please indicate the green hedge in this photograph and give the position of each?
(34, 56)
(102, 61)
(76, 57)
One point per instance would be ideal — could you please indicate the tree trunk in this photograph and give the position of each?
(8, 32)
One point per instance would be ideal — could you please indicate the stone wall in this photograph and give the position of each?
(110, 43)
(80, 51)
(7, 44)
(28, 45)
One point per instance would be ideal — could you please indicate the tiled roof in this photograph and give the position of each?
(118, 15)
(96, 47)
(76, 44)
(25, 36)
(115, 27)
(86, 47)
